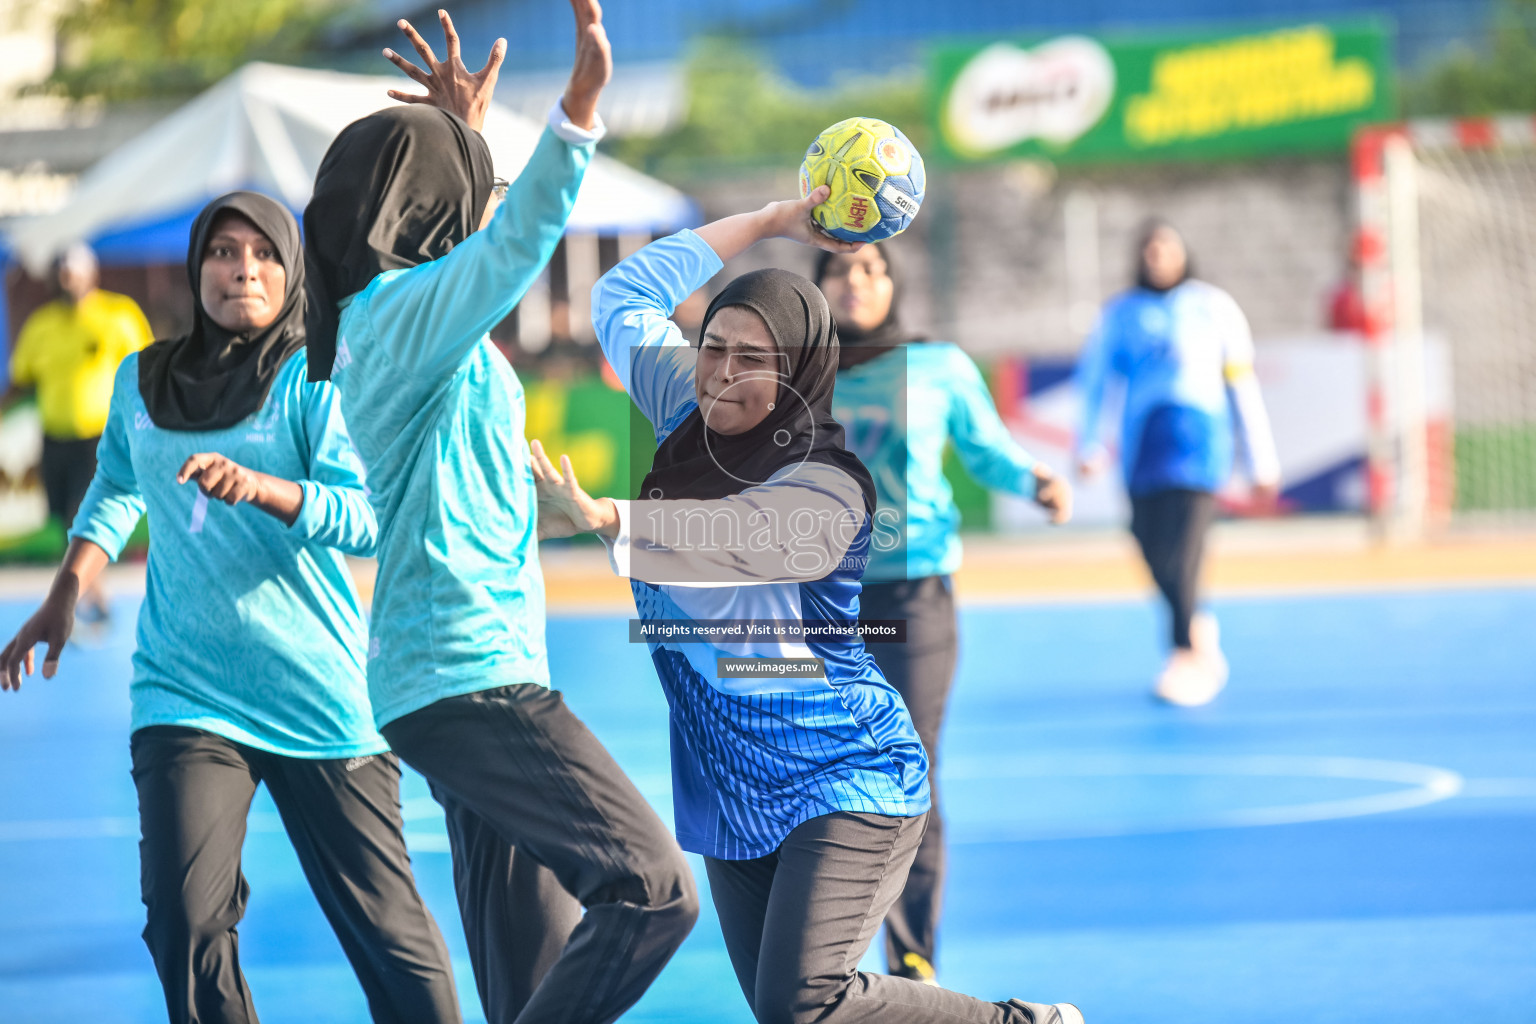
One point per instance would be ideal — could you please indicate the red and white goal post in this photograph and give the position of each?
(1446, 246)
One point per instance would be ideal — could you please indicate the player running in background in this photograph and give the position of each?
(902, 399)
(806, 795)
(1184, 351)
(249, 665)
(541, 821)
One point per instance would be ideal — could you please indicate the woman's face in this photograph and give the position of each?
(243, 280)
(1165, 258)
(739, 372)
(859, 288)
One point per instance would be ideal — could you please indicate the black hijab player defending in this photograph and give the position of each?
(542, 822)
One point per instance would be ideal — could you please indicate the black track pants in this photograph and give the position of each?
(343, 816)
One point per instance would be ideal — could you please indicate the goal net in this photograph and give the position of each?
(1453, 222)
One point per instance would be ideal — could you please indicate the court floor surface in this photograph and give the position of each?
(1348, 834)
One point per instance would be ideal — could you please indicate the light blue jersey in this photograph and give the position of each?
(249, 629)
(900, 410)
(437, 415)
(1180, 354)
(751, 757)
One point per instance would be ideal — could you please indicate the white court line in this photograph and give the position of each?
(1422, 785)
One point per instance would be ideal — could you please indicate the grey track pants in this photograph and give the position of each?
(797, 921)
(343, 816)
(543, 823)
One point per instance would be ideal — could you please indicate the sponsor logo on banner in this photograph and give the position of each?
(1007, 95)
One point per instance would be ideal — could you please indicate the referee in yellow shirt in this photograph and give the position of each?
(68, 351)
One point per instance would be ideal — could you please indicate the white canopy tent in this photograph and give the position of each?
(266, 127)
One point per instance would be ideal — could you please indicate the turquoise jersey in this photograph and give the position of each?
(437, 416)
(249, 629)
(899, 411)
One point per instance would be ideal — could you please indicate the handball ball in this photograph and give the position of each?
(876, 176)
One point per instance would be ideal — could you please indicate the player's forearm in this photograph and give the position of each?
(732, 236)
(279, 498)
(82, 563)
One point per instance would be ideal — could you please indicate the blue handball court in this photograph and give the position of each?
(1347, 835)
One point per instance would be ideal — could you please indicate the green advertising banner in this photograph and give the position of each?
(1195, 96)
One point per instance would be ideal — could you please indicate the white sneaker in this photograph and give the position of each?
(1068, 1014)
(1205, 637)
(1191, 679)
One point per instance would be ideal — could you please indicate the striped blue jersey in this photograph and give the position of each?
(751, 757)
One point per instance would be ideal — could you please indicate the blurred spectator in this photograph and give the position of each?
(68, 351)
(1346, 306)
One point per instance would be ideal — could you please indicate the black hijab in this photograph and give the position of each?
(861, 346)
(213, 378)
(1149, 228)
(696, 462)
(397, 188)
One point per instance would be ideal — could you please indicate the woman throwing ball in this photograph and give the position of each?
(797, 773)
(249, 666)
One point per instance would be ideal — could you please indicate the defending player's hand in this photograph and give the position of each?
(221, 479)
(51, 624)
(1054, 494)
(450, 85)
(564, 508)
(593, 66)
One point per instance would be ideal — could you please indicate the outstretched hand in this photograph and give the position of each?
(450, 85)
(564, 508)
(593, 66)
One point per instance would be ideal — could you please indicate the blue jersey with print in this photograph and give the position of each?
(1176, 352)
(753, 758)
(249, 628)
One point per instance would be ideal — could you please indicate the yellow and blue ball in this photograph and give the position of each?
(876, 176)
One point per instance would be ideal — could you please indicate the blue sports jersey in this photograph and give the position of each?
(751, 758)
(250, 629)
(1180, 353)
(900, 410)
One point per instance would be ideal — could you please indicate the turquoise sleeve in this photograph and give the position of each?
(631, 307)
(336, 511)
(430, 317)
(986, 448)
(113, 504)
